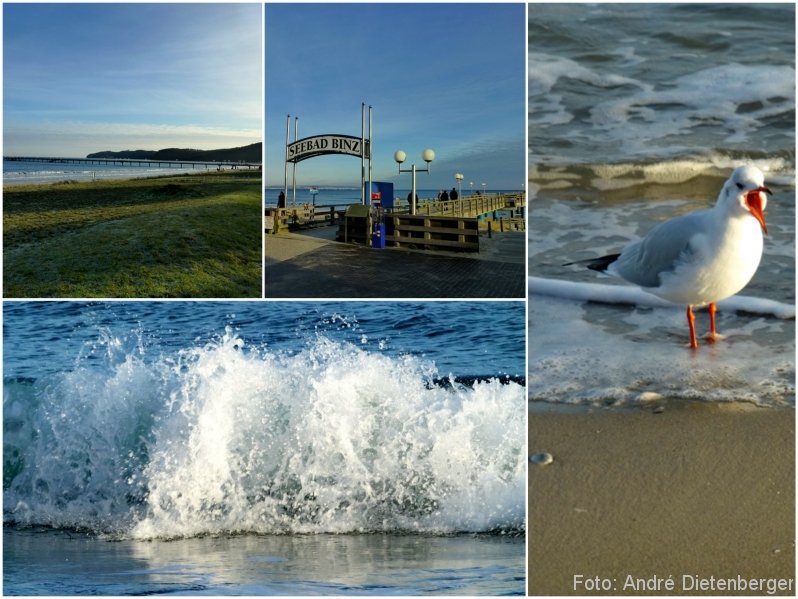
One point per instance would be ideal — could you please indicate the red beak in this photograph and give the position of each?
(753, 200)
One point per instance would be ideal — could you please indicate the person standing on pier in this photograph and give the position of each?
(411, 203)
(453, 194)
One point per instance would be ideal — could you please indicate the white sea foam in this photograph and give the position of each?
(224, 438)
(708, 96)
(547, 108)
(19, 172)
(723, 106)
(580, 354)
(601, 353)
(625, 294)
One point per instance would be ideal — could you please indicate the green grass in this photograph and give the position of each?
(185, 236)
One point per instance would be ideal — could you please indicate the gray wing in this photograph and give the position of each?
(666, 246)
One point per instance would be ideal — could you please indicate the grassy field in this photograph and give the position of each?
(182, 236)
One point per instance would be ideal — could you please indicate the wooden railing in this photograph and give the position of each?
(451, 224)
(281, 219)
(473, 205)
(432, 232)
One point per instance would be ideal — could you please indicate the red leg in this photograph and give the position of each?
(691, 324)
(713, 332)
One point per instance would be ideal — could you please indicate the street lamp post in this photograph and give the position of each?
(428, 156)
(460, 177)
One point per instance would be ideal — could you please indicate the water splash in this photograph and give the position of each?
(224, 438)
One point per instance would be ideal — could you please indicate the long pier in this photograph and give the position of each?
(137, 162)
(472, 205)
(448, 225)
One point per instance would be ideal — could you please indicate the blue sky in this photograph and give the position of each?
(450, 77)
(80, 78)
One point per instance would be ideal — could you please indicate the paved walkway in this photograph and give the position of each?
(310, 266)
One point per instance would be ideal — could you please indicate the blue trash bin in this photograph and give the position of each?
(378, 236)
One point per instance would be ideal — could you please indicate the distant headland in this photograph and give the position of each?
(250, 153)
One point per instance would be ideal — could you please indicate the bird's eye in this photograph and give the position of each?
(739, 185)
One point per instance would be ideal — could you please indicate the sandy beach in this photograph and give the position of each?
(698, 493)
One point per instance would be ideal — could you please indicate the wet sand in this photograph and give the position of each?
(694, 492)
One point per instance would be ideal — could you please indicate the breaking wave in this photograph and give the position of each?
(223, 438)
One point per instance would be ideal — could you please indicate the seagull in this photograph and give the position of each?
(702, 257)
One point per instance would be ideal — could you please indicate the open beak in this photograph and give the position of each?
(756, 205)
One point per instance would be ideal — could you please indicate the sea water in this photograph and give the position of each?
(17, 172)
(263, 447)
(638, 113)
(344, 196)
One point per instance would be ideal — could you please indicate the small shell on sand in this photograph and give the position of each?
(541, 459)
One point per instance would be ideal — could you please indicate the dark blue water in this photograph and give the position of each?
(464, 338)
(337, 196)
